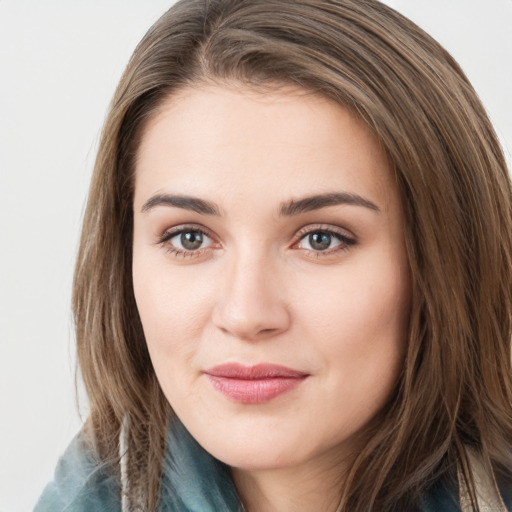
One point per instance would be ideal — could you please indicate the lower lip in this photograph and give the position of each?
(254, 391)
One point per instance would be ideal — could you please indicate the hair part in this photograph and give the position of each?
(455, 390)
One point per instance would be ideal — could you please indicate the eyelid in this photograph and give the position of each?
(327, 228)
(347, 238)
(168, 233)
(164, 238)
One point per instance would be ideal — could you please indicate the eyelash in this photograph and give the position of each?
(183, 253)
(346, 241)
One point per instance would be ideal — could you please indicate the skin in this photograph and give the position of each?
(257, 290)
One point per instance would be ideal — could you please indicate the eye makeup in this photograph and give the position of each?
(324, 240)
(193, 240)
(187, 240)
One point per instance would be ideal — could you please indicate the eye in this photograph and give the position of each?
(185, 241)
(324, 240)
(189, 240)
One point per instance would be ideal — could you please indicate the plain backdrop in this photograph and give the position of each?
(60, 61)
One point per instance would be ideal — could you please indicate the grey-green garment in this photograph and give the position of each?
(193, 481)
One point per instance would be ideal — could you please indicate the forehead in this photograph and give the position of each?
(235, 141)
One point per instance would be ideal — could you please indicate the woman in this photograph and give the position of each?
(293, 285)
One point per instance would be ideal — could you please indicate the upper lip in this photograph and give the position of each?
(256, 372)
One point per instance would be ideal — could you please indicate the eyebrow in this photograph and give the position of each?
(185, 202)
(307, 204)
(287, 209)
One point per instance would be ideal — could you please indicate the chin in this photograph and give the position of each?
(257, 449)
(258, 458)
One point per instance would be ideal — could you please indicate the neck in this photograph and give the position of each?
(295, 489)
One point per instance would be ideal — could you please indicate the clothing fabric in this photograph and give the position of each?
(193, 481)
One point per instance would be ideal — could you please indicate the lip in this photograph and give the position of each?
(254, 384)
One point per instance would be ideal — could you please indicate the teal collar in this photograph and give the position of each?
(193, 480)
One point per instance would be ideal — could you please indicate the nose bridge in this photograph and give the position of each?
(252, 304)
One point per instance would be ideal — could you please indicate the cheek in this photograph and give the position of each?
(169, 298)
(361, 333)
(172, 309)
(359, 318)
(356, 296)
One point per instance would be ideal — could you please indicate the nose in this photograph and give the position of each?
(251, 304)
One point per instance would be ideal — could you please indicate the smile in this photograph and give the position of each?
(254, 384)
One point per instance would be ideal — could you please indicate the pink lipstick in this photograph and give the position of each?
(254, 384)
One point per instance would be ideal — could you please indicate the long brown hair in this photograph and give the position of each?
(455, 390)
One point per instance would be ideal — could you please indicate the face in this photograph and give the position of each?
(270, 272)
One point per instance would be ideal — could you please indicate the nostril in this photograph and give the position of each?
(249, 309)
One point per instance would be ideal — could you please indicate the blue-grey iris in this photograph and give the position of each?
(191, 240)
(320, 241)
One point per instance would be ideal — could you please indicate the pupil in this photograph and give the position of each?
(320, 241)
(191, 240)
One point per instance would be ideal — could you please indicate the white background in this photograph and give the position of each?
(60, 61)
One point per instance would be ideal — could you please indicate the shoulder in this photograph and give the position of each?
(505, 487)
(442, 496)
(447, 495)
(81, 483)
